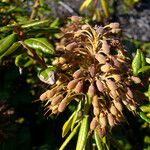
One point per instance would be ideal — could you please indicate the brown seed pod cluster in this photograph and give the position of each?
(89, 62)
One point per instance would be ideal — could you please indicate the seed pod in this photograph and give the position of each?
(92, 70)
(118, 105)
(93, 123)
(116, 77)
(51, 93)
(101, 131)
(79, 87)
(56, 100)
(72, 84)
(111, 119)
(101, 59)
(102, 120)
(43, 97)
(129, 93)
(96, 111)
(105, 68)
(91, 90)
(111, 84)
(114, 25)
(77, 74)
(71, 46)
(105, 47)
(115, 30)
(113, 110)
(95, 101)
(136, 80)
(113, 94)
(62, 105)
(62, 60)
(75, 18)
(100, 85)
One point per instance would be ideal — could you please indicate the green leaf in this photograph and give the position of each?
(143, 60)
(136, 63)
(67, 125)
(55, 23)
(75, 130)
(83, 133)
(85, 4)
(144, 69)
(143, 116)
(41, 44)
(98, 140)
(145, 108)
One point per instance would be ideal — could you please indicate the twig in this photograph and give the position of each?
(35, 6)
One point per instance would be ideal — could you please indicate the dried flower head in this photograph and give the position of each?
(97, 66)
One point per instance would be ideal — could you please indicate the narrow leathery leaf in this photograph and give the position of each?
(98, 140)
(145, 108)
(104, 4)
(76, 115)
(7, 42)
(67, 125)
(82, 137)
(10, 50)
(55, 23)
(87, 104)
(144, 69)
(136, 63)
(106, 143)
(143, 59)
(143, 116)
(37, 23)
(41, 44)
(85, 4)
(72, 134)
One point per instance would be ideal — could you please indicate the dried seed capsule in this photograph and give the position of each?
(91, 90)
(95, 101)
(113, 110)
(105, 47)
(56, 100)
(43, 97)
(129, 93)
(77, 74)
(136, 80)
(118, 105)
(96, 111)
(101, 131)
(92, 70)
(101, 59)
(114, 25)
(93, 123)
(111, 84)
(102, 120)
(79, 87)
(62, 105)
(106, 67)
(111, 119)
(71, 46)
(75, 18)
(100, 85)
(113, 94)
(51, 93)
(72, 84)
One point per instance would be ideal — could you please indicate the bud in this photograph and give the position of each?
(85, 26)
(71, 46)
(65, 66)
(51, 93)
(91, 90)
(113, 94)
(115, 30)
(56, 100)
(116, 77)
(72, 84)
(93, 123)
(96, 111)
(62, 60)
(113, 110)
(101, 59)
(79, 87)
(111, 84)
(62, 105)
(102, 120)
(105, 47)
(75, 18)
(95, 101)
(92, 70)
(77, 74)
(129, 93)
(101, 131)
(114, 25)
(105, 68)
(43, 97)
(136, 80)
(116, 62)
(99, 85)
(118, 105)
(111, 119)
(132, 107)
(55, 61)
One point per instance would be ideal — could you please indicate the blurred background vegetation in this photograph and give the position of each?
(23, 125)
